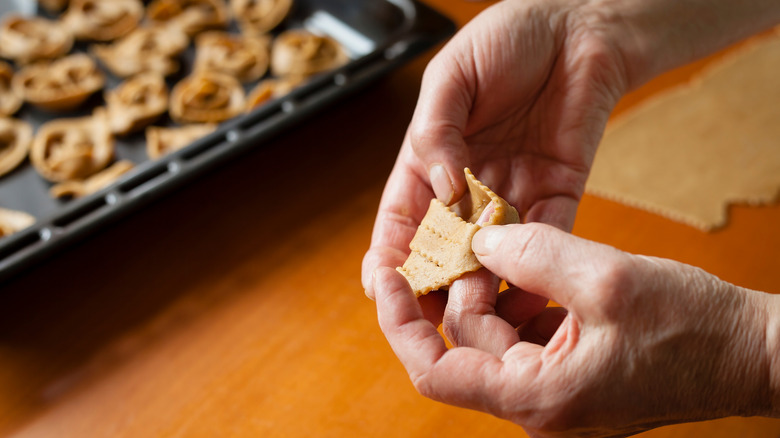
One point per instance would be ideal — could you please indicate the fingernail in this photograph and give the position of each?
(442, 185)
(487, 239)
(486, 213)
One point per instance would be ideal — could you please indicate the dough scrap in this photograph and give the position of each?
(15, 139)
(137, 102)
(12, 221)
(161, 141)
(302, 53)
(79, 188)
(257, 17)
(101, 20)
(441, 247)
(59, 85)
(206, 97)
(242, 56)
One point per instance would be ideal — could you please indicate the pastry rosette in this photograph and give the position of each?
(68, 149)
(269, 89)
(242, 56)
(10, 100)
(301, 53)
(136, 103)
(190, 16)
(59, 85)
(102, 20)
(15, 139)
(28, 39)
(206, 96)
(161, 141)
(144, 49)
(79, 188)
(257, 17)
(12, 221)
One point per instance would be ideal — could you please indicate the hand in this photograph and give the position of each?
(521, 96)
(645, 342)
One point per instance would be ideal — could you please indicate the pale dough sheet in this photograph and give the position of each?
(690, 152)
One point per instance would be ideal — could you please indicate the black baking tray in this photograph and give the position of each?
(379, 35)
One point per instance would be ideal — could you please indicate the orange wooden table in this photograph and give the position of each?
(234, 306)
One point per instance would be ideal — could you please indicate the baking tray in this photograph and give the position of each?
(379, 35)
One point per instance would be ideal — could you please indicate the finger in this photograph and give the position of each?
(558, 211)
(517, 306)
(541, 328)
(433, 305)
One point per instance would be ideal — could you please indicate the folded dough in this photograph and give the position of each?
(161, 141)
(144, 49)
(28, 39)
(79, 188)
(190, 16)
(244, 57)
(12, 221)
(59, 85)
(257, 17)
(101, 20)
(15, 139)
(136, 102)
(206, 96)
(301, 53)
(10, 100)
(269, 89)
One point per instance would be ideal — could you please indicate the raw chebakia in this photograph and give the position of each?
(441, 247)
(15, 138)
(61, 84)
(91, 184)
(136, 102)
(12, 221)
(190, 16)
(161, 141)
(70, 149)
(244, 57)
(27, 39)
(145, 49)
(101, 20)
(302, 53)
(10, 100)
(257, 17)
(206, 96)
(269, 89)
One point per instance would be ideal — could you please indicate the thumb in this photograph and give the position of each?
(546, 261)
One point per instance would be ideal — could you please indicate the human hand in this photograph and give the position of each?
(645, 342)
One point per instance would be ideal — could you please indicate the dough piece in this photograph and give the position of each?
(161, 141)
(244, 57)
(28, 39)
(441, 247)
(269, 89)
(145, 49)
(136, 103)
(68, 149)
(53, 5)
(257, 17)
(12, 221)
(59, 85)
(15, 139)
(689, 153)
(206, 96)
(190, 16)
(101, 20)
(301, 53)
(77, 189)
(10, 100)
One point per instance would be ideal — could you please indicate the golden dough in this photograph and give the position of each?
(10, 100)
(79, 188)
(441, 247)
(205, 97)
(257, 17)
(59, 85)
(242, 56)
(136, 103)
(101, 20)
(161, 141)
(28, 39)
(190, 16)
(269, 89)
(15, 139)
(145, 49)
(301, 53)
(12, 221)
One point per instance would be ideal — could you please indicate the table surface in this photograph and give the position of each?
(233, 307)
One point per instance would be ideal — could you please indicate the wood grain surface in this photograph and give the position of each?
(233, 307)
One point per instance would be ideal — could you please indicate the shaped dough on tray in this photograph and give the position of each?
(28, 39)
(257, 17)
(59, 85)
(101, 20)
(269, 89)
(79, 188)
(15, 139)
(242, 56)
(144, 49)
(53, 5)
(190, 16)
(68, 149)
(161, 141)
(206, 96)
(136, 102)
(12, 221)
(10, 100)
(441, 247)
(301, 53)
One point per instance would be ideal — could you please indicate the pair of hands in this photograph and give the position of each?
(521, 96)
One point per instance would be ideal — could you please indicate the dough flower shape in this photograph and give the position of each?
(269, 89)
(244, 57)
(102, 20)
(136, 102)
(15, 139)
(12, 221)
(301, 53)
(206, 96)
(28, 39)
(191, 16)
(161, 141)
(10, 100)
(256, 17)
(68, 149)
(144, 49)
(79, 188)
(59, 85)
